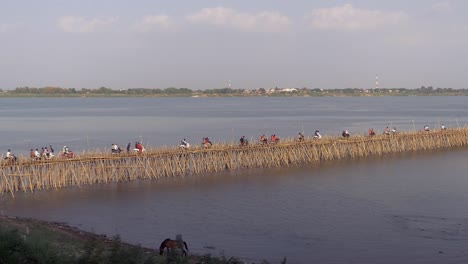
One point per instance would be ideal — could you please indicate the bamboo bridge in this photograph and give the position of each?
(97, 168)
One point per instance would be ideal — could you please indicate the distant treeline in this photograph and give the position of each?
(172, 91)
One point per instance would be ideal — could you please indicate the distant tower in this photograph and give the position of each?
(229, 83)
(376, 81)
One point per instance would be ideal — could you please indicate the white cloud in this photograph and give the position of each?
(220, 16)
(348, 18)
(73, 24)
(155, 22)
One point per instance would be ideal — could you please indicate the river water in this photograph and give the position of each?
(407, 208)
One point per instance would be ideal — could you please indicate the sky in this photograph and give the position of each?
(204, 44)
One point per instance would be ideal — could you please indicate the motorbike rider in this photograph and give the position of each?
(207, 142)
(65, 150)
(184, 144)
(139, 147)
(10, 155)
(317, 135)
(243, 141)
(115, 148)
(300, 137)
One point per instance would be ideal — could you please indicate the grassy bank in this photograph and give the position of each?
(25, 240)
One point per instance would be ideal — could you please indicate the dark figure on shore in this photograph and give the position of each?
(128, 147)
(170, 244)
(345, 134)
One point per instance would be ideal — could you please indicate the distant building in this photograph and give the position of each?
(289, 90)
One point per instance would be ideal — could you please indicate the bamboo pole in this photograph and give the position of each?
(96, 167)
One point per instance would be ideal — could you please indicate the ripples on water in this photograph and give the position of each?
(397, 209)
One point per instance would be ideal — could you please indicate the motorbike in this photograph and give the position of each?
(185, 146)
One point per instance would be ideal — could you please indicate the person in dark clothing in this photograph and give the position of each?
(243, 141)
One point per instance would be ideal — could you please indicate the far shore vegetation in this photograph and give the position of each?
(226, 92)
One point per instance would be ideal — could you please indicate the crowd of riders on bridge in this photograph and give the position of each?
(115, 148)
(47, 153)
(206, 143)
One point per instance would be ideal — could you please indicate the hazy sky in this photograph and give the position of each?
(201, 44)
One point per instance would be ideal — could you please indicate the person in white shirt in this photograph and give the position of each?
(317, 135)
(37, 154)
(184, 144)
(10, 156)
(115, 148)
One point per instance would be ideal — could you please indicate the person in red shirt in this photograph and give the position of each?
(139, 146)
(274, 139)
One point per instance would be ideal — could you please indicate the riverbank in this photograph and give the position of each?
(27, 240)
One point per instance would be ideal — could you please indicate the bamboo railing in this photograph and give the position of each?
(97, 167)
